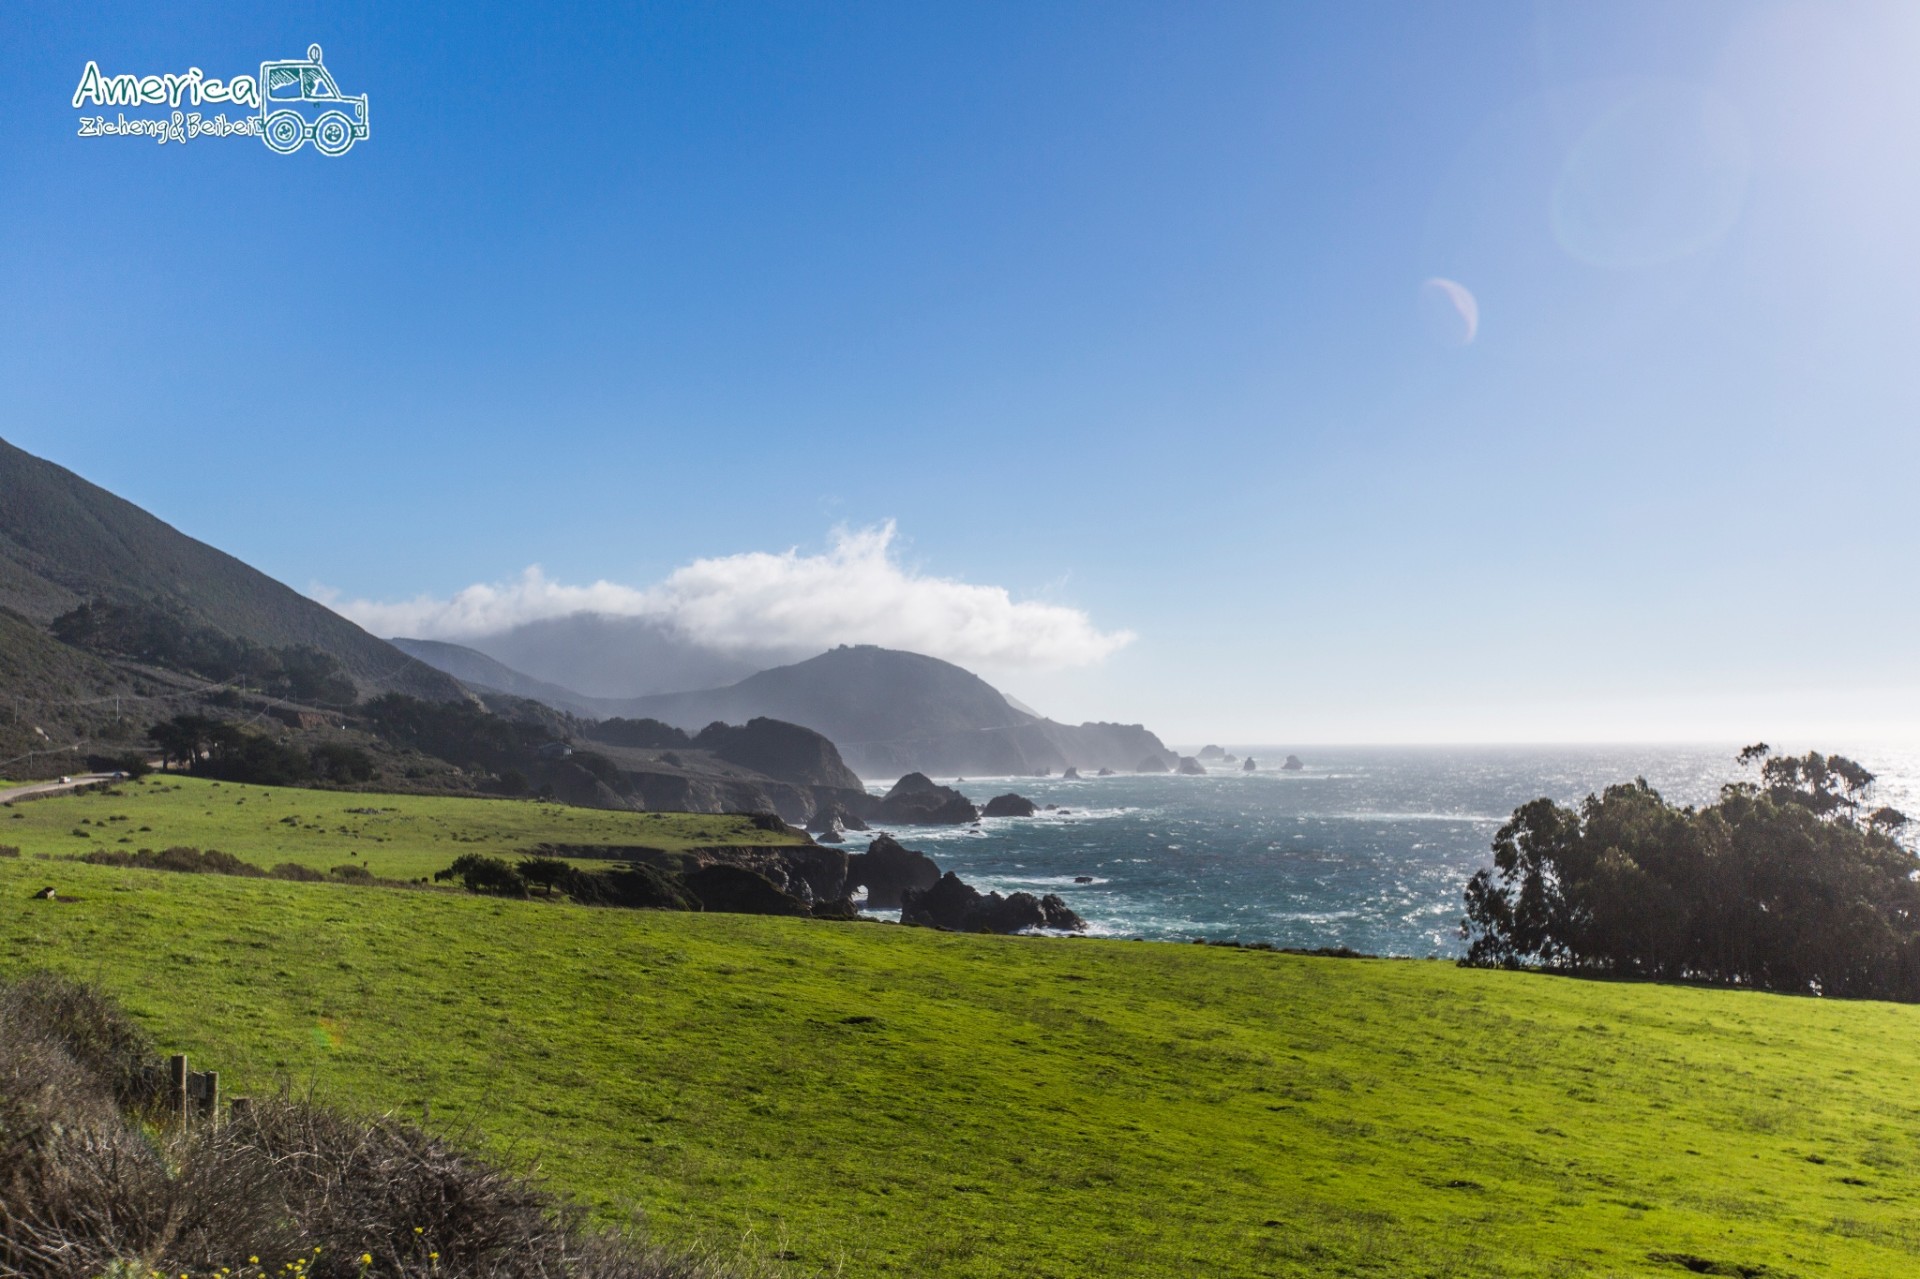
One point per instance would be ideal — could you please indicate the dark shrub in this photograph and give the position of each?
(107, 1047)
(353, 873)
(636, 886)
(188, 860)
(297, 873)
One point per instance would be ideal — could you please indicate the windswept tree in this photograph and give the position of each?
(479, 873)
(544, 871)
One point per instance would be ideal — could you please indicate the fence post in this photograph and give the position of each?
(177, 1084)
(240, 1108)
(210, 1097)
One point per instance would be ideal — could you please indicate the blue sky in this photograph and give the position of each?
(1120, 309)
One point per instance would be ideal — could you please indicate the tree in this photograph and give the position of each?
(182, 738)
(479, 873)
(338, 762)
(544, 871)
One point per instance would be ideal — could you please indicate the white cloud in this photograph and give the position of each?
(857, 592)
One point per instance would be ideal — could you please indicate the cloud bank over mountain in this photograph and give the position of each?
(855, 592)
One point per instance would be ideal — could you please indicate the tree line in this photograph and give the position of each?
(215, 748)
(1794, 882)
(153, 634)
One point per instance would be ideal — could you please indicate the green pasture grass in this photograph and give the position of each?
(871, 1100)
(409, 836)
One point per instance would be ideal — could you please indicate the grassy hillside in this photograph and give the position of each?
(875, 1100)
(393, 836)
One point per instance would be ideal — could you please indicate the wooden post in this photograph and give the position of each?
(210, 1097)
(177, 1084)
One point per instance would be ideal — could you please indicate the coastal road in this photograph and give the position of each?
(54, 788)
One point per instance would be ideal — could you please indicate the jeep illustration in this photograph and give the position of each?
(299, 101)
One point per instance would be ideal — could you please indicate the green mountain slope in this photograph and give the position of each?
(64, 542)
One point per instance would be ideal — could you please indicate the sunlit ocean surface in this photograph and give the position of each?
(1366, 847)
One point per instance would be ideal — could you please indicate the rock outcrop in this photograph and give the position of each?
(959, 907)
(1071, 775)
(918, 800)
(887, 870)
(1152, 764)
(785, 752)
(1009, 805)
(1105, 772)
(1249, 766)
(1212, 752)
(1191, 767)
(1293, 764)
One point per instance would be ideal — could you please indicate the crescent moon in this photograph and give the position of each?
(1462, 299)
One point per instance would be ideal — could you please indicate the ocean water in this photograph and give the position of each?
(1365, 847)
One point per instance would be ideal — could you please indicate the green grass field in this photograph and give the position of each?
(393, 836)
(874, 1100)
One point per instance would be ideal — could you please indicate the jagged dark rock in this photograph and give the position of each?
(1152, 764)
(887, 870)
(959, 907)
(918, 800)
(1009, 805)
(831, 835)
(1293, 764)
(1191, 767)
(840, 908)
(1071, 775)
(1212, 752)
(1057, 915)
(1249, 766)
(1105, 772)
(831, 815)
(1083, 879)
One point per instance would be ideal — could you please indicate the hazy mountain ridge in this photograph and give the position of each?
(888, 712)
(892, 713)
(482, 673)
(601, 657)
